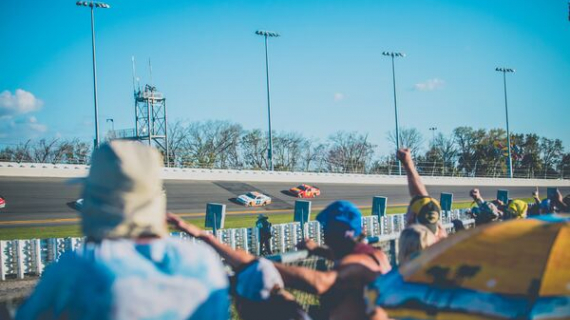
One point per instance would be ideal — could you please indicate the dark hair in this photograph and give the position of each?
(458, 225)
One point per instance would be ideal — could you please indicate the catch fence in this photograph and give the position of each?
(28, 258)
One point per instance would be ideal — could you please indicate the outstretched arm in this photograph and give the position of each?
(307, 280)
(315, 250)
(415, 184)
(235, 258)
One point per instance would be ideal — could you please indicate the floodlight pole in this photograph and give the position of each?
(267, 34)
(94, 5)
(432, 129)
(392, 55)
(510, 159)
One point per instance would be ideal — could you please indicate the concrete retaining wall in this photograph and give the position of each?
(10, 169)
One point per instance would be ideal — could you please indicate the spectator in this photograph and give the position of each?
(560, 204)
(423, 209)
(517, 209)
(258, 287)
(129, 268)
(458, 225)
(538, 206)
(264, 227)
(486, 211)
(356, 264)
(413, 240)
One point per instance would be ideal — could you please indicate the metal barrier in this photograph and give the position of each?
(22, 258)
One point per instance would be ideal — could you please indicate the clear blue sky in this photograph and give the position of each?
(327, 70)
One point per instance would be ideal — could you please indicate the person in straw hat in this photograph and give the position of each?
(128, 267)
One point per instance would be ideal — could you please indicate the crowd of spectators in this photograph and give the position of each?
(130, 269)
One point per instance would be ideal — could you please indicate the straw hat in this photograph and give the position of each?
(122, 194)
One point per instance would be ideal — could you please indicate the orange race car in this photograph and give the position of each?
(305, 191)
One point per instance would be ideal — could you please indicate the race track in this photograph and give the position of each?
(43, 201)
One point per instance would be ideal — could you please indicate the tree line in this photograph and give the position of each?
(226, 145)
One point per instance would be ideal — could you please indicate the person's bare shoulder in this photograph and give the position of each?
(364, 265)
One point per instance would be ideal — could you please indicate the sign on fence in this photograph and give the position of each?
(551, 193)
(446, 201)
(302, 214)
(215, 216)
(503, 195)
(379, 205)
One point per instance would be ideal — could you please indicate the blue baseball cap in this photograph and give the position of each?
(341, 212)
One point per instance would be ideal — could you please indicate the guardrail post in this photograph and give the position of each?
(3, 260)
(37, 251)
(243, 239)
(19, 259)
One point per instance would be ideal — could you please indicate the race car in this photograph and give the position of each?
(254, 199)
(2, 202)
(79, 204)
(305, 191)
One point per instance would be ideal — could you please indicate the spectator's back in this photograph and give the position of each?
(125, 279)
(129, 268)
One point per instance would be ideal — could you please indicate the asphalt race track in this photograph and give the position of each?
(42, 201)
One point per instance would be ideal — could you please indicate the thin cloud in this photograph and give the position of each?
(430, 85)
(21, 128)
(21, 102)
(338, 96)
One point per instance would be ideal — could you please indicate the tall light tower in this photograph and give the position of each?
(393, 55)
(510, 159)
(432, 129)
(93, 5)
(268, 34)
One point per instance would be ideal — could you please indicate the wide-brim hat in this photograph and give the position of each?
(122, 194)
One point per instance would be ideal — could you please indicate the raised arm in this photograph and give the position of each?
(235, 258)
(476, 195)
(415, 184)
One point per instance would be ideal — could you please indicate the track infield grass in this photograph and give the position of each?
(232, 221)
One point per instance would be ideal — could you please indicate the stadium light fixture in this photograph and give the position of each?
(93, 5)
(268, 34)
(394, 55)
(510, 158)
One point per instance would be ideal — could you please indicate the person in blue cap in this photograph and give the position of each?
(257, 287)
(356, 264)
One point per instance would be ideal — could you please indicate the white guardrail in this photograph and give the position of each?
(28, 258)
(13, 169)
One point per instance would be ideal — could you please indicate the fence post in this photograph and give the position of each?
(39, 266)
(19, 259)
(3, 258)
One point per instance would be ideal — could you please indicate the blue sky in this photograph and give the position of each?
(327, 70)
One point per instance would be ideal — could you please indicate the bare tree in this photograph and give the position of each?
(552, 152)
(410, 138)
(446, 150)
(254, 148)
(313, 155)
(349, 152)
(176, 137)
(287, 150)
(211, 143)
(44, 151)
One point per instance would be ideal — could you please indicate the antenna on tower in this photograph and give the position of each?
(134, 75)
(150, 70)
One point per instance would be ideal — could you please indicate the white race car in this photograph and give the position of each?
(254, 199)
(79, 204)
(2, 202)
